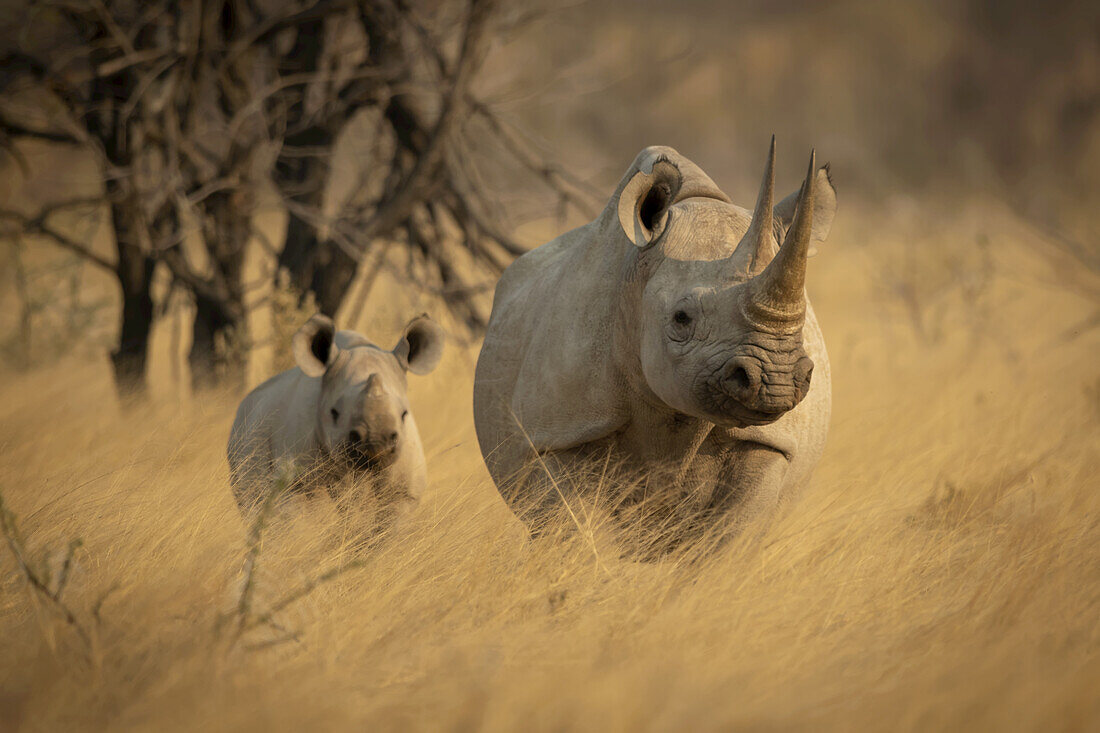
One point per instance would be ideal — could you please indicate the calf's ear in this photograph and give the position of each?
(421, 345)
(314, 347)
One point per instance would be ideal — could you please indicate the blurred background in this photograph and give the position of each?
(181, 184)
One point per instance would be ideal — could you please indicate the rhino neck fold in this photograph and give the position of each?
(681, 433)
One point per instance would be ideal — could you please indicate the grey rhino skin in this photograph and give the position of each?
(342, 412)
(669, 339)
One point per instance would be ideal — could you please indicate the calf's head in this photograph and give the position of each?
(363, 408)
(720, 306)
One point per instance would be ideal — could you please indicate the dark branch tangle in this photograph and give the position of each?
(193, 109)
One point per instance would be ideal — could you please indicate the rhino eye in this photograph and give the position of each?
(404, 415)
(682, 326)
(335, 414)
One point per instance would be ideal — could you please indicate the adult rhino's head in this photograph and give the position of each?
(719, 323)
(364, 408)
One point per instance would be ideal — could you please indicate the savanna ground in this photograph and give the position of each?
(941, 570)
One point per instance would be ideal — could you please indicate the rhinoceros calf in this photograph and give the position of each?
(671, 337)
(342, 413)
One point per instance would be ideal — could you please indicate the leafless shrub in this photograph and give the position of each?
(47, 584)
(197, 112)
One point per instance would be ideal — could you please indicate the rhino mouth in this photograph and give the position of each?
(757, 438)
(731, 413)
(365, 461)
(742, 417)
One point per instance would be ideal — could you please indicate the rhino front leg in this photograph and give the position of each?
(750, 489)
(558, 488)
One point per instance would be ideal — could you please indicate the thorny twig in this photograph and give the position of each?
(252, 556)
(246, 619)
(39, 582)
(304, 590)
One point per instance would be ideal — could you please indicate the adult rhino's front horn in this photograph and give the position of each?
(776, 294)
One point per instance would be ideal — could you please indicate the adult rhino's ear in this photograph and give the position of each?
(421, 345)
(314, 345)
(644, 203)
(824, 208)
(658, 178)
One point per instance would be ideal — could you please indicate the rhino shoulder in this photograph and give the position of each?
(277, 411)
(551, 331)
(534, 268)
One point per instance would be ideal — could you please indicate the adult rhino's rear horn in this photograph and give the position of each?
(777, 295)
(757, 247)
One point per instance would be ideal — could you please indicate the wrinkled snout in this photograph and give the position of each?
(760, 389)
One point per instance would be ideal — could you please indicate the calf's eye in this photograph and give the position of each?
(335, 414)
(404, 415)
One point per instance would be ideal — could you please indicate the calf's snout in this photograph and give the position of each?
(374, 442)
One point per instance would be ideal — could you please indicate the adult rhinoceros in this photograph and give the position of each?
(671, 338)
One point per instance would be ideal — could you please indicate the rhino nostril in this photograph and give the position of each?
(355, 436)
(741, 378)
(803, 370)
(393, 438)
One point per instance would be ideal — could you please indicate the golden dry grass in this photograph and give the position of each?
(942, 570)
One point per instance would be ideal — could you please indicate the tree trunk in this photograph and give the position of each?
(333, 278)
(297, 256)
(314, 266)
(134, 266)
(217, 352)
(335, 270)
(135, 278)
(323, 268)
(302, 180)
(220, 339)
(130, 356)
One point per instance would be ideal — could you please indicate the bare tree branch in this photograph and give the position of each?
(399, 206)
(40, 226)
(133, 58)
(14, 129)
(579, 193)
(194, 108)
